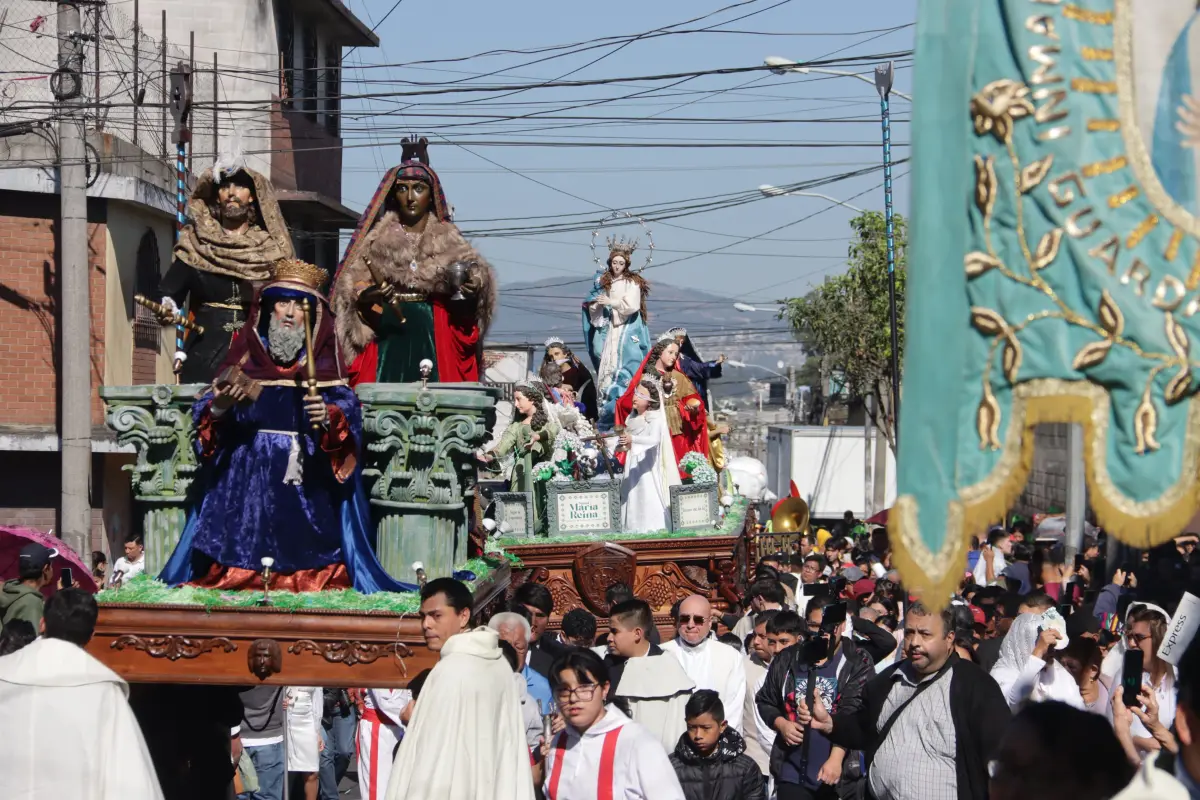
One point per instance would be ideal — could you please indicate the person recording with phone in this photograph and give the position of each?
(822, 664)
(1144, 701)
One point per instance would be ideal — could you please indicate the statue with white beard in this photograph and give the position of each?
(283, 480)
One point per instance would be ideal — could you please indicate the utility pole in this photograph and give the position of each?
(884, 76)
(881, 464)
(1076, 491)
(868, 463)
(74, 318)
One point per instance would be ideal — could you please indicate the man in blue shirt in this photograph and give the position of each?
(515, 629)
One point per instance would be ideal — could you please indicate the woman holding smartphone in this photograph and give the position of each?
(1144, 689)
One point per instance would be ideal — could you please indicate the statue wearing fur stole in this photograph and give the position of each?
(410, 286)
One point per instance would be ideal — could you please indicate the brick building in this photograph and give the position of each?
(289, 69)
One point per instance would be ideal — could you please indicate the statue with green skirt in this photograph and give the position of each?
(530, 439)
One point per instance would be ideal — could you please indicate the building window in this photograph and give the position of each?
(286, 26)
(312, 71)
(333, 104)
(147, 333)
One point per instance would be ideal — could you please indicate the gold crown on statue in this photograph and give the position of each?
(620, 246)
(294, 270)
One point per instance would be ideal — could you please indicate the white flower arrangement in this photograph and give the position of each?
(696, 464)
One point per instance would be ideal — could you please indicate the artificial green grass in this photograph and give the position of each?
(735, 518)
(145, 590)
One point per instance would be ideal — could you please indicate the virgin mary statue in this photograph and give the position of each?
(614, 326)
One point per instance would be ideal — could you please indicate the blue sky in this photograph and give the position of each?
(486, 182)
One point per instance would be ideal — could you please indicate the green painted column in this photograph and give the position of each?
(420, 471)
(156, 420)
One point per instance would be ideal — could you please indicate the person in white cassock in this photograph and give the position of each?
(711, 664)
(466, 739)
(601, 754)
(71, 732)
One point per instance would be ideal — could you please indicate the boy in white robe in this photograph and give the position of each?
(466, 739)
(379, 731)
(601, 752)
(78, 737)
(648, 685)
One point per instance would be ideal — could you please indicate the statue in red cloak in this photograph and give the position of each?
(685, 412)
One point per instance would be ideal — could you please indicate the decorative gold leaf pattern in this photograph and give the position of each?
(1178, 386)
(977, 262)
(1111, 318)
(996, 105)
(1091, 354)
(988, 322)
(1010, 358)
(1033, 174)
(1177, 336)
(1145, 424)
(1047, 249)
(985, 184)
(987, 420)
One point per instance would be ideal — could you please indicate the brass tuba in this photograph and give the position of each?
(790, 516)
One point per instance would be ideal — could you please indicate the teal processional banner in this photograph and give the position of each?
(1054, 269)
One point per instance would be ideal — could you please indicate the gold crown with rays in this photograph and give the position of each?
(620, 246)
(293, 270)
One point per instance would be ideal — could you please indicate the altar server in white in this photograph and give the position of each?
(71, 732)
(711, 664)
(601, 754)
(380, 730)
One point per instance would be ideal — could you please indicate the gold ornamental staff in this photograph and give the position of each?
(310, 361)
(168, 316)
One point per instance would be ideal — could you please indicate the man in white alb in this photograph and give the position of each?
(709, 663)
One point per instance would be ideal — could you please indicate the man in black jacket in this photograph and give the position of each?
(841, 677)
(928, 724)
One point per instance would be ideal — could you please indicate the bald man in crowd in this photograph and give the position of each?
(709, 663)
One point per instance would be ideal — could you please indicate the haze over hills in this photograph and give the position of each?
(528, 313)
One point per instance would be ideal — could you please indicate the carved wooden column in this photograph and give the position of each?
(420, 468)
(157, 421)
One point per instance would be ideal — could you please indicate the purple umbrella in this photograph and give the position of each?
(12, 539)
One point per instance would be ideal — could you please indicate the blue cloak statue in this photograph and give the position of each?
(615, 328)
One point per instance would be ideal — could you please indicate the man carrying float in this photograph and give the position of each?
(280, 433)
(410, 286)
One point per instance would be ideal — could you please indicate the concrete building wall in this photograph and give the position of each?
(1047, 486)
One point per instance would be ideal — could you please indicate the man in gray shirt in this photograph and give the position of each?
(263, 723)
(929, 724)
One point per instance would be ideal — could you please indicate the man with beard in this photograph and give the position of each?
(283, 462)
(410, 287)
(686, 417)
(233, 235)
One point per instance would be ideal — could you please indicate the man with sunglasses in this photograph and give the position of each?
(709, 663)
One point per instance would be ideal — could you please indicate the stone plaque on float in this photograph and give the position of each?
(514, 513)
(693, 506)
(592, 506)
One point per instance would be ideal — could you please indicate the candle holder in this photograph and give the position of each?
(426, 367)
(267, 562)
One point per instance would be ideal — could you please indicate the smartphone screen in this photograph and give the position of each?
(68, 578)
(1131, 678)
(1065, 609)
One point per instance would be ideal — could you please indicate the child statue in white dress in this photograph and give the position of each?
(650, 469)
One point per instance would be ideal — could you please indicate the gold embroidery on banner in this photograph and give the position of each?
(1042, 25)
(1174, 286)
(1173, 246)
(1090, 86)
(1096, 54)
(1104, 167)
(1193, 279)
(1084, 15)
(1107, 251)
(1064, 197)
(1041, 54)
(1054, 133)
(1144, 227)
(1072, 224)
(1121, 198)
(1103, 125)
(1049, 112)
(1137, 274)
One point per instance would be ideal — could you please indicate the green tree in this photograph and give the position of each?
(846, 320)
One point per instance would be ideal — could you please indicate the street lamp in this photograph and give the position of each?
(774, 191)
(781, 66)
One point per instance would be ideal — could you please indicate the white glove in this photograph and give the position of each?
(169, 304)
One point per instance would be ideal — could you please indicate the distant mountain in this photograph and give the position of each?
(530, 312)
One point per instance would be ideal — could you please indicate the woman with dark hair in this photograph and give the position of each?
(601, 752)
(530, 438)
(99, 567)
(574, 374)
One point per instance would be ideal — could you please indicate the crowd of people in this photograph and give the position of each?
(830, 682)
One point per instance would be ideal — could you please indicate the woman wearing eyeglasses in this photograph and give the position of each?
(601, 754)
(1145, 628)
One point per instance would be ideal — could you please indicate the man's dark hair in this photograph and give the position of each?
(585, 664)
(633, 614)
(1081, 755)
(847, 516)
(704, 701)
(618, 593)
(787, 622)
(819, 603)
(996, 536)
(921, 610)
(457, 595)
(818, 559)
(70, 615)
(766, 616)
(510, 653)
(1021, 552)
(797, 560)
(136, 538)
(15, 635)
(732, 640)
(579, 623)
(536, 595)
(765, 572)
(1038, 600)
(27, 571)
(839, 543)
(770, 591)
(1189, 677)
